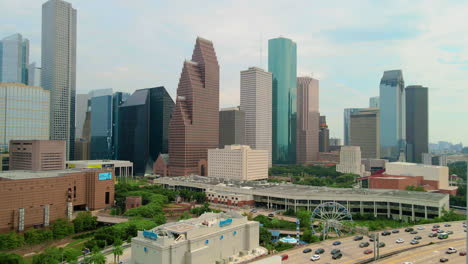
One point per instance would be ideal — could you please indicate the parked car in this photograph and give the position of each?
(337, 256)
(319, 251)
(356, 238)
(386, 233)
(443, 260)
(364, 244)
(442, 236)
(400, 240)
(451, 250)
(395, 231)
(409, 229)
(315, 257)
(440, 231)
(447, 225)
(417, 238)
(253, 210)
(335, 251)
(436, 226)
(381, 245)
(462, 253)
(433, 234)
(450, 232)
(435, 229)
(336, 243)
(414, 232)
(307, 250)
(368, 251)
(408, 262)
(414, 242)
(420, 228)
(284, 257)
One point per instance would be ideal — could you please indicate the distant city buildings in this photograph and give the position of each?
(324, 135)
(122, 168)
(231, 127)
(307, 146)
(143, 127)
(20, 120)
(37, 155)
(365, 132)
(350, 161)
(346, 123)
(58, 73)
(392, 115)
(282, 63)
(417, 123)
(238, 162)
(100, 106)
(335, 142)
(433, 159)
(256, 103)
(34, 75)
(194, 126)
(81, 107)
(14, 59)
(374, 102)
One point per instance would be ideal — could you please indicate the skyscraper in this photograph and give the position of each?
(143, 127)
(324, 135)
(194, 126)
(59, 68)
(346, 123)
(307, 120)
(14, 59)
(34, 75)
(374, 102)
(364, 132)
(255, 102)
(392, 115)
(118, 99)
(417, 123)
(231, 127)
(282, 63)
(100, 105)
(81, 107)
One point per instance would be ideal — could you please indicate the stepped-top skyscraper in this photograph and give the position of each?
(308, 117)
(282, 63)
(392, 115)
(194, 126)
(417, 123)
(14, 59)
(58, 73)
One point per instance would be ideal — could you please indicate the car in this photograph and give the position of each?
(386, 233)
(400, 240)
(464, 225)
(451, 250)
(336, 243)
(335, 251)
(433, 234)
(315, 257)
(381, 245)
(408, 262)
(447, 225)
(450, 232)
(440, 231)
(464, 230)
(436, 226)
(409, 229)
(420, 228)
(462, 253)
(443, 260)
(368, 251)
(364, 244)
(414, 232)
(284, 257)
(435, 229)
(271, 215)
(337, 256)
(371, 239)
(417, 238)
(356, 238)
(253, 210)
(414, 242)
(307, 250)
(395, 231)
(319, 251)
(442, 236)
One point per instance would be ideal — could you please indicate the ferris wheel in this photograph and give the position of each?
(331, 216)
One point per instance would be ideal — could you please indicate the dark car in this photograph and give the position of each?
(414, 232)
(371, 239)
(336, 243)
(368, 251)
(447, 225)
(381, 245)
(337, 256)
(335, 251)
(356, 238)
(417, 238)
(395, 231)
(386, 233)
(450, 232)
(307, 250)
(271, 215)
(436, 226)
(409, 229)
(432, 234)
(364, 244)
(319, 251)
(414, 242)
(443, 259)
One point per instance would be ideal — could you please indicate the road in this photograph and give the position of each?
(353, 254)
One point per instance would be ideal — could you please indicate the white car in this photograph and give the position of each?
(420, 227)
(451, 250)
(400, 240)
(408, 263)
(315, 257)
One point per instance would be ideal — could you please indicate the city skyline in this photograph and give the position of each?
(336, 52)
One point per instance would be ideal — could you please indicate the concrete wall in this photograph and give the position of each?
(433, 173)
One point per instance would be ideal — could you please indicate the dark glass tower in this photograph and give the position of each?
(143, 127)
(101, 127)
(417, 123)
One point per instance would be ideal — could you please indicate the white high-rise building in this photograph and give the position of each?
(350, 160)
(374, 102)
(238, 162)
(59, 68)
(34, 75)
(14, 59)
(256, 103)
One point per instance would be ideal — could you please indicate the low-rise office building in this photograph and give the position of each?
(122, 168)
(396, 204)
(38, 198)
(350, 160)
(37, 155)
(208, 239)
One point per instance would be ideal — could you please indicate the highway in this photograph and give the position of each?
(353, 254)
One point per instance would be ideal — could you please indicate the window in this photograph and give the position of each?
(107, 197)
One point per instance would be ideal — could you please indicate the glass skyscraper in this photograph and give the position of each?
(392, 115)
(14, 59)
(100, 104)
(282, 63)
(417, 123)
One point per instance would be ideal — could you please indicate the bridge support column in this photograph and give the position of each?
(388, 209)
(375, 209)
(361, 209)
(425, 212)
(401, 213)
(412, 212)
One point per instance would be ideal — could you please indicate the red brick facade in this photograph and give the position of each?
(132, 202)
(160, 167)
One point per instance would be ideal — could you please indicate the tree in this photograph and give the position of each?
(62, 228)
(304, 217)
(159, 219)
(11, 240)
(184, 216)
(117, 251)
(308, 237)
(84, 221)
(131, 231)
(265, 236)
(98, 258)
(415, 188)
(36, 236)
(7, 258)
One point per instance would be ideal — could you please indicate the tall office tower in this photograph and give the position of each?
(34, 75)
(307, 120)
(374, 102)
(231, 127)
(24, 113)
(324, 135)
(255, 102)
(81, 107)
(59, 69)
(364, 132)
(194, 126)
(282, 63)
(417, 123)
(14, 59)
(346, 121)
(392, 115)
(117, 100)
(100, 106)
(143, 127)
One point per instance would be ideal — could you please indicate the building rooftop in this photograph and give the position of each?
(25, 175)
(95, 161)
(414, 164)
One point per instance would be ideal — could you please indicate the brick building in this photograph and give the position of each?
(37, 155)
(38, 198)
(133, 202)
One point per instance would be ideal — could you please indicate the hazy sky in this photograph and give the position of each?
(132, 44)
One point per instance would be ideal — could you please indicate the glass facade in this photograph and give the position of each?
(282, 63)
(417, 123)
(101, 127)
(14, 59)
(118, 99)
(24, 113)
